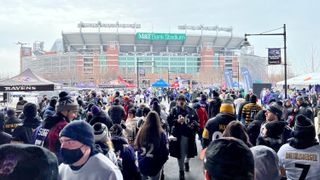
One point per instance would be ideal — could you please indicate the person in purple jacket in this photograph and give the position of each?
(151, 144)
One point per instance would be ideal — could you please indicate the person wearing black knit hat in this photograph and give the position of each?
(47, 134)
(11, 122)
(214, 105)
(272, 135)
(250, 110)
(221, 161)
(299, 159)
(99, 115)
(81, 161)
(24, 132)
(303, 108)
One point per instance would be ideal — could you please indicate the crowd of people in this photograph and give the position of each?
(131, 136)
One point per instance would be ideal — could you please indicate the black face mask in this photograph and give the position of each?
(71, 156)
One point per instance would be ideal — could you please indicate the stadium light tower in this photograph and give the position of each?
(205, 28)
(284, 34)
(21, 44)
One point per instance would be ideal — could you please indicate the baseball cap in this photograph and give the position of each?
(275, 109)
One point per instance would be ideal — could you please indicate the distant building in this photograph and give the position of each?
(98, 57)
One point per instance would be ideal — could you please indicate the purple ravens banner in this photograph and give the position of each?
(274, 56)
(228, 78)
(246, 78)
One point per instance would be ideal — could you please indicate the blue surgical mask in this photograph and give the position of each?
(71, 156)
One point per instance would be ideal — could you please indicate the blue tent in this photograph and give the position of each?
(160, 83)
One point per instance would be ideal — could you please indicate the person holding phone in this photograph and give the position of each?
(183, 124)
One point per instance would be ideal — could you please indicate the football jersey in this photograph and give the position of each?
(300, 163)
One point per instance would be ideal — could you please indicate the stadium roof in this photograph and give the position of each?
(79, 41)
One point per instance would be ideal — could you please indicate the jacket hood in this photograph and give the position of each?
(265, 163)
(32, 122)
(51, 121)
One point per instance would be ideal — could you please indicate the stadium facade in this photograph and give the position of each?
(98, 57)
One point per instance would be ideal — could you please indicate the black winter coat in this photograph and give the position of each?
(25, 132)
(188, 129)
(273, 143)
(215, 127)
(253, 130)
(101, 117)
(214, 107)
(5, 138)
(116, 113)
(306, 110)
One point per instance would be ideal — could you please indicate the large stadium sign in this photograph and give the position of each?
(160, 36)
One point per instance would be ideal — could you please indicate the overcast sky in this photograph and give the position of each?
(43, 20)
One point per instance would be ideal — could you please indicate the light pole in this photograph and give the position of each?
(238, 75)
(284, 34)
(138, 62)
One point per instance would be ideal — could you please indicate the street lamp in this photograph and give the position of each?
(284, 34)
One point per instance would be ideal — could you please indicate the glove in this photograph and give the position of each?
(123, 126)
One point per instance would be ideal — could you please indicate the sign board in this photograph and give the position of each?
(49, 87)
(258, 87)
(160, 36)
(274, 56)
(142, 72)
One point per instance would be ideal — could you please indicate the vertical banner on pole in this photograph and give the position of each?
(274, 56)
(228, 78)
(247, 79)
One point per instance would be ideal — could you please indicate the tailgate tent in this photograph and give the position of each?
(160, 83)
(26, 81)
(303, 80)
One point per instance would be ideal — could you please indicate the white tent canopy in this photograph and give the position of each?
(303, 80)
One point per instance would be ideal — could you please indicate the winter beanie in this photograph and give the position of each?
(181, 97)
(299, 98)
(275, 109)
(101, 133)
(95, 110)
(229, 157)
(304, 128)
(79, 131)
(227, 107)
(66, 103)
(215, 93)
(30, 110)
(21, 161)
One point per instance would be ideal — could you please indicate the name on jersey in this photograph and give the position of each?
(43, 132)
(302, 156)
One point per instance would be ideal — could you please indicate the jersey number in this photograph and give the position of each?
(304, 171)
(216, 135)
(149, 153)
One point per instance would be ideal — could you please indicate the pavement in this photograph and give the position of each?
(171, 169)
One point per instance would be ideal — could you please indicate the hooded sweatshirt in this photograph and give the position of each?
(266, 165)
